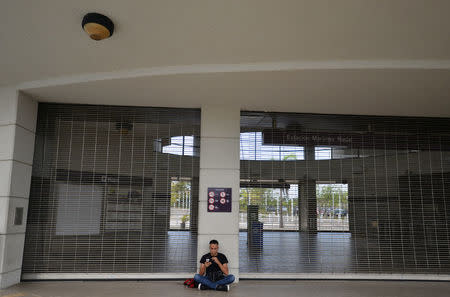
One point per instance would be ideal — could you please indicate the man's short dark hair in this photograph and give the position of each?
(213, 241)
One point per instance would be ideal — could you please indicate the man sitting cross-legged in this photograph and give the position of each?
(213, 272)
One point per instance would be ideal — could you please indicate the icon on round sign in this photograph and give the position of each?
(211, 194)
(222, 200)
(211, 207)
(211, 200)
(222, 194)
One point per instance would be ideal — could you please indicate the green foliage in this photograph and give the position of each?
(266, 198)
(180, 190)
(325, 196)
(254, 196)
(290, 157)
(185, 218)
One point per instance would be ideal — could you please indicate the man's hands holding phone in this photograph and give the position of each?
(210, 261)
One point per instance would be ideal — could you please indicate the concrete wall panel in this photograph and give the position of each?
(5, 178)
(27, 112)
(7, 142)
(13, 248)
(219, 153)
(222, 120)
(23, 145)
(20, 179)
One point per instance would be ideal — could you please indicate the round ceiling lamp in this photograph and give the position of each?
(97, 26)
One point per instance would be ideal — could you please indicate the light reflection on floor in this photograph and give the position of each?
(294, 252)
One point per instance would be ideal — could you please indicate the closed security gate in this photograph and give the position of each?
(114, 190)
(344, 194)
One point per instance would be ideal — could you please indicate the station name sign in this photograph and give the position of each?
(357, 140)
(317, 139)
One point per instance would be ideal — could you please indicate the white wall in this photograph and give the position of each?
(18, 115)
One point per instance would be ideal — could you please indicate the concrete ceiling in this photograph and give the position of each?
(349, 56)
(377, 92)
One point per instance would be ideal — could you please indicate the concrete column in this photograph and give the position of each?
(219, 167)
(307, 197)
(303, 208)
(308, 205)
(18, 114)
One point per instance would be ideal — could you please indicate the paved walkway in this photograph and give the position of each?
(244, 288)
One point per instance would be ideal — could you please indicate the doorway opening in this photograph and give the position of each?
(332, 207)
(274, 204)
(180, 204)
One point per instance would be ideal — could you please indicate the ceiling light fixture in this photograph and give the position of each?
(97, 26)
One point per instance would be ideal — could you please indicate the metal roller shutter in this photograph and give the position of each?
(114, 190)
(344, 194)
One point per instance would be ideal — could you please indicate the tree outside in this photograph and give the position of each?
(331, 197)
(332, 207)
(278, 208)
(180, 194)
(180, 204)
(268, 200)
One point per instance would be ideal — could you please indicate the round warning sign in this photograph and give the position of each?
(222, 200)
(223, 194)
(211, 200)
(211, 194)
(211, 207)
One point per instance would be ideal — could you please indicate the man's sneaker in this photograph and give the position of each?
(202, 287)
(225, 288)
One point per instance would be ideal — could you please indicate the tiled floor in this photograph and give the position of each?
(244, 288)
